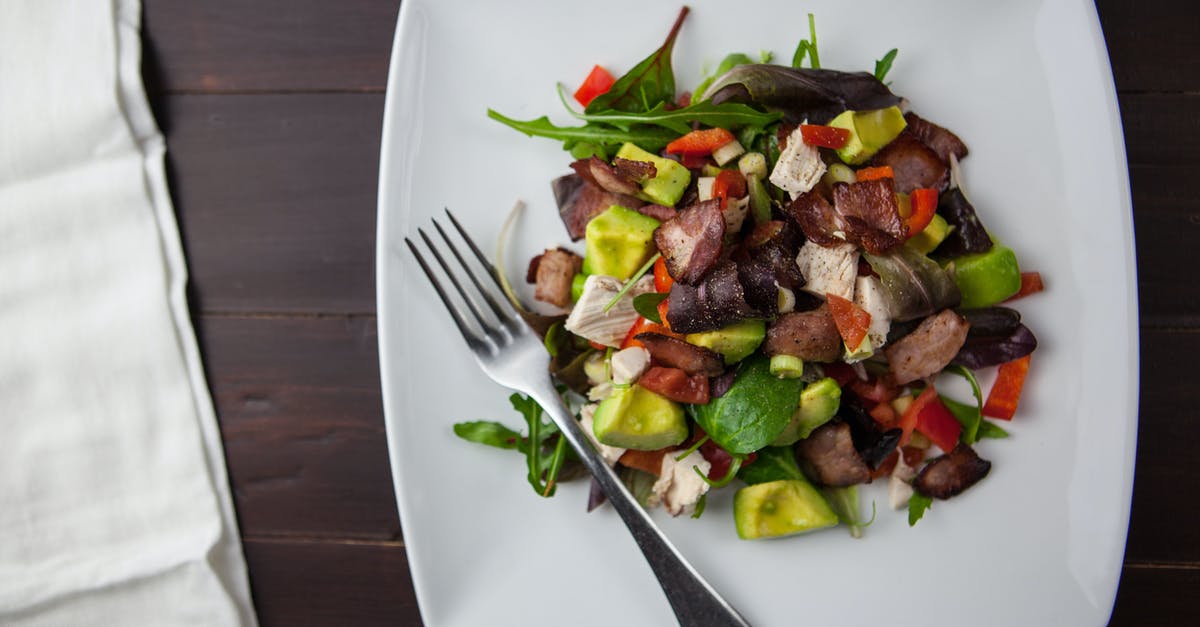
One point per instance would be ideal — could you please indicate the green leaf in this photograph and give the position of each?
(844, 502)
(883, 65)
(969, 416)
(649, 83)
(650, 138)
(755, 410)
(729, 115)
(808, 47)
(917, 504)
(637, 276)
(773, 463)
(991, 430)
(489, 433)
(730, 61)
(647, 305)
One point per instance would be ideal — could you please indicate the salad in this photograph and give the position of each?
(778, 269)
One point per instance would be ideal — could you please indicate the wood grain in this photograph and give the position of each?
(1153, 596)
(1151, 45)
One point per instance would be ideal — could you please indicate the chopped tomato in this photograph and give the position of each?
(662, 314)
(924, 205)
(645, 461)
(662, 278)
(1006, 391)
(676, 385)
(597, 82)
(851, 320)
(824, 136)
(883, 414)
(1031, 283)
(939, 425)
(870, 174)
(908, 420)
(695, 162)
(729, 184)
(840, 372)
(702, 142)
(642, 325)
(876, 391)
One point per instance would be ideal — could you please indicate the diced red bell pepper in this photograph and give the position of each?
(883, 413)
(597, 82)
(939, 425)
(597, 345)
(908, 420)
(840, 372)
(729, 184)
(662, 314)
(924, 205)
(824, 136)
(876, 391)
(645, 461)
(870, 174)
(701, 142)
(1006, 391)
(1031, 283)
(852, 321)
(695, 162)
(642, 325)
(662, 278)
(676, 385)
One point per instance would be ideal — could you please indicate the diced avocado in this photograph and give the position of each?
(869, 131)
(577, 282)
(780, 508)
(619, 241)
(985, 279)
(637, 418)
(735, 342)
(670, 180)
(931, 236)
(819, 401)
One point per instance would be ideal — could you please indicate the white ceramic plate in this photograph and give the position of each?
(1028, 87)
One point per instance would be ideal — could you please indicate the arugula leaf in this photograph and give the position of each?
(488, 433)
(917, 504)
(991, 430)
(809, 47)
(969, 416)
(650, 138)
(647, 305)
(544, 447)
(883, 65)
(844, 502)
(726, 115)
(648, 84)
(773, 463)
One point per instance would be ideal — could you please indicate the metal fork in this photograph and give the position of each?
(512, 354)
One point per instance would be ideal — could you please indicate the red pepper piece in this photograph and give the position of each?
(924, 205)
(840, 372)
(702, 142)
(884, 414)
(876, 391)
(1006, 391)
(597, 82)
(870, 174)
(939, 425)
(1031, 283)
(662, 279)
(642, 325)
(645, 461)
(908, 420)
(851, 320)
(729, 184)
(824, 136)
(676, 385)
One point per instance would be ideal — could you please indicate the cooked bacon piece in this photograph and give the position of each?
(662, 213)
(941, 140)
(766, 261)
(817, 218)
(809, 335)
(719, 300)
(691, 242)
(929, 348)
(952, 473)
(676, 385)
(829, 452)
(637, 171)
(676, 353)
(871, 213)
(914, 164)
(579, 201)
(555, 269)
(598, 172)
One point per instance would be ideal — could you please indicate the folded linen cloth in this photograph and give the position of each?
(114, 503)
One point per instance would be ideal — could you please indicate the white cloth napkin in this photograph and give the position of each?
(114, 503)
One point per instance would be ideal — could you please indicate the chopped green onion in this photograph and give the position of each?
(633, 279)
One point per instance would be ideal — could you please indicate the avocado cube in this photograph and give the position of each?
(869, 132)
(780, 508)
(734, 342)
(819, 401)
(987, 278)
(670, 180)
(618, 242)
(636, 418)
(932, 236)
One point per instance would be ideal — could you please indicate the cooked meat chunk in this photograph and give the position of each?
(914, 164)
(829, 453)
(817, 218)
(556, 268)
(579, 201)
(809, 335)
(871, 213)
(952, 473)
(691, 242)
(677, 353)
(609, 178)
(929, 348)
(941, 140)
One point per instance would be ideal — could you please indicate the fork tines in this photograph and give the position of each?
(497, 328)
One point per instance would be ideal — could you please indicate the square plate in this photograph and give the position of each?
(1028, 87)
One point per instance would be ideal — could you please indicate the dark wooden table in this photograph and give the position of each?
(272, 112)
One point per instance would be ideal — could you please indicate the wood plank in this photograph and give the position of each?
(301, 415)
(276, 199)
(1151, 596)
(330, 583)
(1151, 45)
(268, 45)
(1166, 229)
(1161, 129)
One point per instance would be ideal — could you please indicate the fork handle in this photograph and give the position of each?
(693, 600)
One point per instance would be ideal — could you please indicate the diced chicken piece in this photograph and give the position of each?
(587, 416)
(929, 348)
(679, 488)
(868, 294)
(556, 268)
(828, 270)
(799, 167)
(900, 484)
(628, 364)
(600, 391)
(735, 213)
(589, 320)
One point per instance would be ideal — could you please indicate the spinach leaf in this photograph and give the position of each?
(755, 410)
(650, 138)
(808, 46)
(489, 433)
(728, 115)
(647, 305)
(648, 84)
(917, 504)
(883, 65)
(772, 464)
